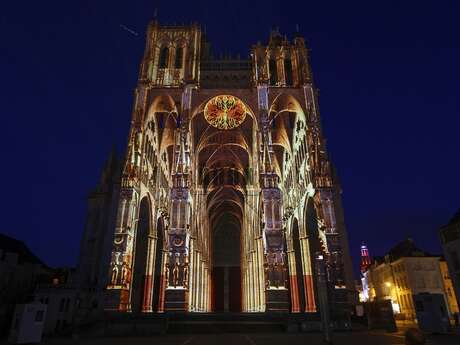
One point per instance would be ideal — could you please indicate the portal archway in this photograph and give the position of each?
(226, 272)
(140, 256)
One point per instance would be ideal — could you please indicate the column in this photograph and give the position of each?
(148, 281)
(310, 303)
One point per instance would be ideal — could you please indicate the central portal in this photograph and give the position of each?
(226, 272)
(224, 130)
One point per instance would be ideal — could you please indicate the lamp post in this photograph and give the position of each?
(323, 298)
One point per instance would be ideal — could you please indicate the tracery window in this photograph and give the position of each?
(179, 57)
(288, 71)
(164, 55)
(225, 112)
(273, 72)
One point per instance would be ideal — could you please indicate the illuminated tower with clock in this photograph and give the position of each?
(227, 194)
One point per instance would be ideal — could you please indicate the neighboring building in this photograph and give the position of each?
(365, 289)
(227, 194)
(20, 272)
(449, 287)
(60, 296)
(359, 290)
(450, 241)
(404, 272)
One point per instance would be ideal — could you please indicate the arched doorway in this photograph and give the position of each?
(140, 256)
(226, 272)
(157, 290)
(298, 265)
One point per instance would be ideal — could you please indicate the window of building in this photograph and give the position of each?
(39, 316)
(419, 306)
(16, 322)
(421, 282)
(436, 283)
(273, 72)
(442, 310)
(292, 117)
(164, 55)
(179, 57)
(288, 71)
(61, 305)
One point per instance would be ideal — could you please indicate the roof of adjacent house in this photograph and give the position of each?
(455, 219)
(403, 249)
(11, 245)
(406, 248)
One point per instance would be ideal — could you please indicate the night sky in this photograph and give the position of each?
(388, 74)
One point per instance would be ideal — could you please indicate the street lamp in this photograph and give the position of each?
(322, 297)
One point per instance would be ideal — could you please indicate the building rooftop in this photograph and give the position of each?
(455, 219)
(11, 245)
(451, 231)
(403, 249)
(406, 248)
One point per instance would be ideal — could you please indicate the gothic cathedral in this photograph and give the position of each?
(227, 197)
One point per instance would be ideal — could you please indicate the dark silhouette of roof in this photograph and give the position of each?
(12, 245)
(378, 260)
(406, 248)
(455, 219)
(403, 249)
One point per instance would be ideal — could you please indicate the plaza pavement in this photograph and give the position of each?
(339, 338)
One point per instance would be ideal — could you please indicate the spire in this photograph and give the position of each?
(111, 161)
(113, 154)
(275, 36)
(180, 163)
(297, 31)
(275, 31)
(365, 258)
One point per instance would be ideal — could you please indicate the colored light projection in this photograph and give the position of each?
(225, 112)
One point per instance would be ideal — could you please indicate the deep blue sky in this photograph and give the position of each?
(388, 73)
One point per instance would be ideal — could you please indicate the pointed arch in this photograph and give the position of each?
(139, 292)
(297, 280)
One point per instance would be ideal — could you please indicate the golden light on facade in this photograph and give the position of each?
(225, 112)
(166, 251)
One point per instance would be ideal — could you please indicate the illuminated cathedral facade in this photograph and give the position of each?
(226, 195)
